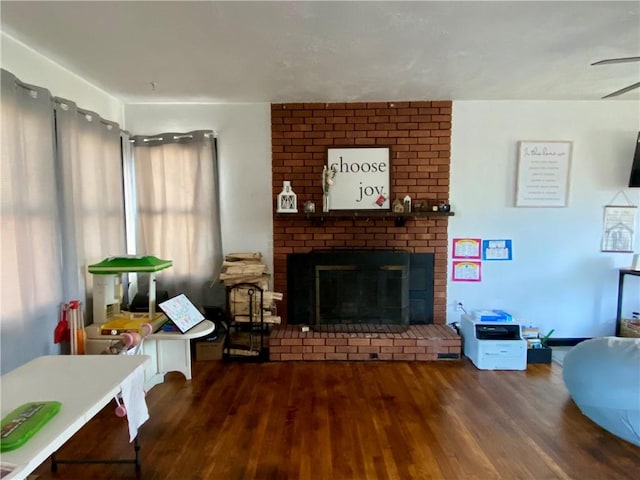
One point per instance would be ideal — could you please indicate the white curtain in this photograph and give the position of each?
(177, 210)
(92, 199)
(62, 209)
(30, 262)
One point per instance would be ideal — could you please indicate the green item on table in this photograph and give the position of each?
(24, 422)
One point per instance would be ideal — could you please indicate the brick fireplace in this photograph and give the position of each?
(419, 137)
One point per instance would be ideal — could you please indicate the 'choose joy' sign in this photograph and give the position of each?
(361, 179)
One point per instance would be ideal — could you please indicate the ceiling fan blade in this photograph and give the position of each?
(616, 60)
(623, 90)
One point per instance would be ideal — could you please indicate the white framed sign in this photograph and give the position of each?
(618, 229)
(361, 179)
(543, 173)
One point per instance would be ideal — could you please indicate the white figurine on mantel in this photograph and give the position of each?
(328, 174)
(407, 204)
(287, 200)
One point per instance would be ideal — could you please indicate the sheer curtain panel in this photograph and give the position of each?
(91, 193)
(177, 209)
(30, 262)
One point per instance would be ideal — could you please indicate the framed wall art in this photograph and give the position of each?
(359, 178)
(543, 173)
(618, 229)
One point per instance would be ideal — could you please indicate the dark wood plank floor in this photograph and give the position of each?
(347, 420)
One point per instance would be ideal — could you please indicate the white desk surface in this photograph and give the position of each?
(203, 328)
(84, 384)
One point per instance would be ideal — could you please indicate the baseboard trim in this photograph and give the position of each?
(565, 342)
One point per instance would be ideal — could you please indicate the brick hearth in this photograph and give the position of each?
(418, 343)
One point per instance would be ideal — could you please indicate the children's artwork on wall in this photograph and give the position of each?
(466, 247)
(466, 271)
(497, 250)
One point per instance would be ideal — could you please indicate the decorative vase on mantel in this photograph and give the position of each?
(328, 175)
(325, 202)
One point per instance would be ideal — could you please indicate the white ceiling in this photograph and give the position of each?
(352, 51)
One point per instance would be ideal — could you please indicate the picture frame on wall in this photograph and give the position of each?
(360, 178)
(619, 228)
(543, 173)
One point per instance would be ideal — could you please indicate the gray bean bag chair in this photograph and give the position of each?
(603, 378)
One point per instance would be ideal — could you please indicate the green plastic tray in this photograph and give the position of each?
(24, 422)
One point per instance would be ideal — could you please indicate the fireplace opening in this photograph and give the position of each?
(361, 295)
(356, 291)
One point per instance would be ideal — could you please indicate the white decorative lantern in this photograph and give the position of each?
(287, 200)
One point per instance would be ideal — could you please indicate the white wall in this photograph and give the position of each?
(558, 278)
(33, 68)
(244, 159)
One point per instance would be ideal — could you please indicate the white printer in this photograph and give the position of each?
(493, 345)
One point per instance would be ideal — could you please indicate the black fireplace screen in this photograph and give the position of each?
(377, 287)
(349, 294)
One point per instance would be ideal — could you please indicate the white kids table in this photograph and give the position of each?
(168, 351)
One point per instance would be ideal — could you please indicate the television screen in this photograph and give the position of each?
(634, 179)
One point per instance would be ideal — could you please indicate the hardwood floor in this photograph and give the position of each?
(350, 420)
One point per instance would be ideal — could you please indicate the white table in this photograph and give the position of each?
(169, 351)
(83, 384)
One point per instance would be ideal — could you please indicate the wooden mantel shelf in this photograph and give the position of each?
(399, 218)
